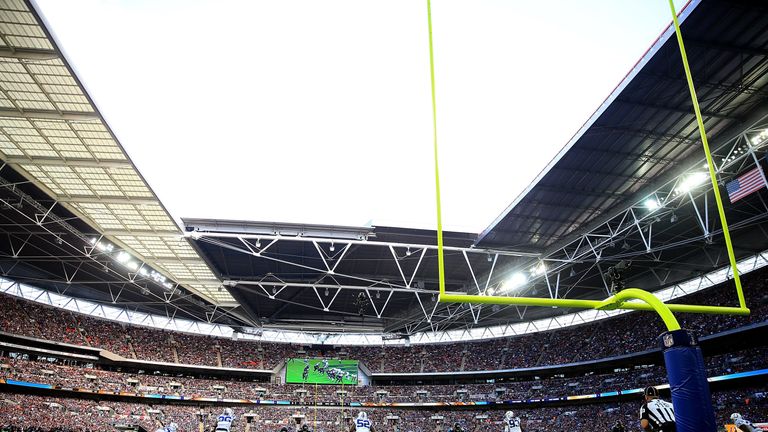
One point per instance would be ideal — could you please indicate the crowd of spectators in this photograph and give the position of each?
(38, 413)
(88, 377)
(610, 337)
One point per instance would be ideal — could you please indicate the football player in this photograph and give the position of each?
(743, 424)
(511, 423)
(172, 427)
(224, 421)
(361, 423)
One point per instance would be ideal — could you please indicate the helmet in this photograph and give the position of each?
(173, 426)
(509, 415)
(735, 416)
(228, 411)
(651, 391)
(362, 415)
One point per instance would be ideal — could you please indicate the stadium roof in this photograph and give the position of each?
(588, 210)
(67, 182)
(52, 133)
(645, 132)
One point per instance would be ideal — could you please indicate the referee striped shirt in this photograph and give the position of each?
(660, 415)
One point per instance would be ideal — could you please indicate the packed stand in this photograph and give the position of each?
(63, 375)
(611, 337)
(43, 414)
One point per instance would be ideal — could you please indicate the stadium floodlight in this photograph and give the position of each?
(514, 282)
(132, 265)
(102, 246)
(652, 204)
(332, 248)
(123, 257)
(691, 181)
(157, 277)
(760, 138)
(539, 269)
(258, 243)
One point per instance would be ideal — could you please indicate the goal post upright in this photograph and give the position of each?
(708, 154)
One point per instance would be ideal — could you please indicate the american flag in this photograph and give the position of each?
(745, 185)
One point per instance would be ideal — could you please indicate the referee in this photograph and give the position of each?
(656, 414)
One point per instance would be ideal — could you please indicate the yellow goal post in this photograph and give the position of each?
(625, 299)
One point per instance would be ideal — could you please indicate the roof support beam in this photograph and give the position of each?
(139, 233)
(69, 162)
(86, 199)
(202, 233)
(49, 115)
(28, 53)
(758, 51)
(642, 157)
(185, 282)
(725, 87)
(677, 110)
(582, 191)
(644, 133)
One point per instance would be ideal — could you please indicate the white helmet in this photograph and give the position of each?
(228, 411)
(735, 416)
(173, 426)
(362, 415)
(509, 415)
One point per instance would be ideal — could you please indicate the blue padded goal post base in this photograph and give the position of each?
(688, 382)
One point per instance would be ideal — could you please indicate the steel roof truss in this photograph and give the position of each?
(732, 154)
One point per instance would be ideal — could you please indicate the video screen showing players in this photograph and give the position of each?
(321, 371)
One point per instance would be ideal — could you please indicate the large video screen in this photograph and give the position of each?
(321, 371)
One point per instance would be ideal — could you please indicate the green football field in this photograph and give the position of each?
(320, 371)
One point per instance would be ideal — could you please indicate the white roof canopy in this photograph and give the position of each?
(51, 132)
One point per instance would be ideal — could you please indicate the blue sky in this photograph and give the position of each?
(319, 112)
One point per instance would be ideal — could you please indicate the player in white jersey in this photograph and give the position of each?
(361, 423)
(224, 421)
(743, 424)
(172, 427)
(511, 423)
